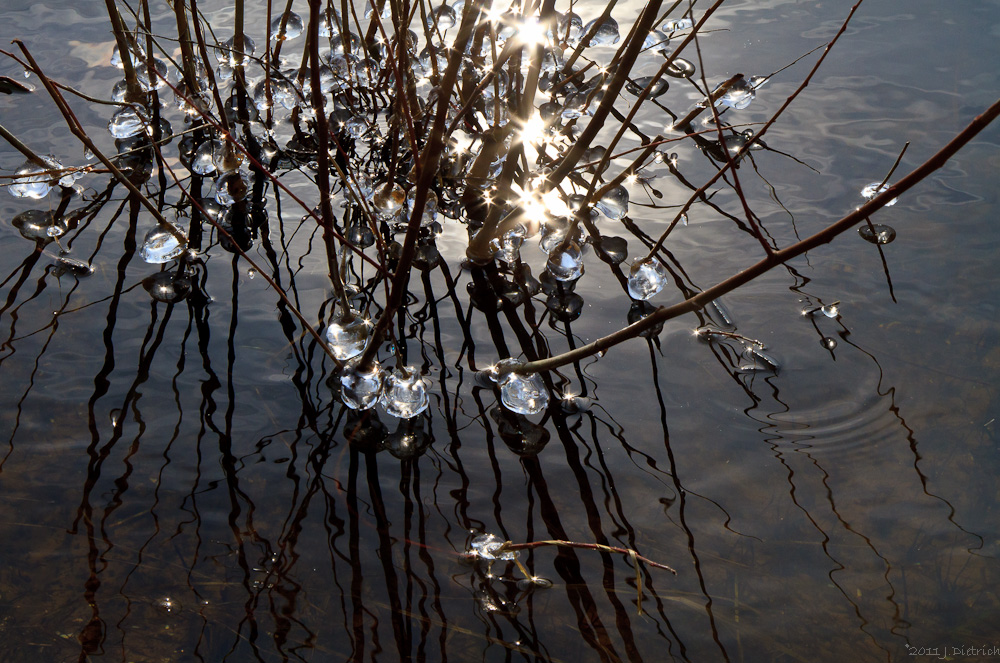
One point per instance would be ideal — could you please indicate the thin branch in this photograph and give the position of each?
(779, 257)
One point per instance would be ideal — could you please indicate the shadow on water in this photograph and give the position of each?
(182, 480)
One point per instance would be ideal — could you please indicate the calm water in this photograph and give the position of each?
(177, 484)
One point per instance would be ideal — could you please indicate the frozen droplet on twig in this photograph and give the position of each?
(404, 394)
(231, 188)
(523, 393)
(828, 343)
(347, 335)
(293, 26)
(360, 387)
(739, 95)
(127, 122)
(614, 203)
(676, 24)
(873, 189)
(565, 261)
(508, 246)
(389, 201)
(33, 180)
(203, 160)
(606, 34)
(162, 245)
(490, 547)
(646, 279)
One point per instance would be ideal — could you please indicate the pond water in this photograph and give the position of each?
(180, 483)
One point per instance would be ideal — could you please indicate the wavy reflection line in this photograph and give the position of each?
(681, 514)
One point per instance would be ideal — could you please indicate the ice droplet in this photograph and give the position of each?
(360, 387)
(293, 26)
(646, 279)
(127, 122)
(565, 262)
(389, 201)
(877, 233)
(489, 547)
(873, 189)
(162, 245)
(655, 39)
(405, 393)
(347, 335)
(614, 203)
(231, 188)
(443, 17)
(34, 181)
(739, 95)
(830, 310)
(203, 161)
(606, 34)
(227, 53)
(509, 246)
(828, 343)
(678, 24)
(524, 394)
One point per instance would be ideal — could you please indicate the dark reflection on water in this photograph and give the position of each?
(180, 482)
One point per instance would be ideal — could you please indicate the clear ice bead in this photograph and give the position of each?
(203, 161)
(489, 547)
(565, 262)
(230, 188)
(875, 188)
(161, 245)
(293, 26)
(524, 394)
(388, 201)
(347, 335)
(127, 122)
(32, 180)
(405, 393)
(607, 32)
(678, 24)
(360, 387)
(739, 95)
(614, 203)
(646, 279)
(509, 245)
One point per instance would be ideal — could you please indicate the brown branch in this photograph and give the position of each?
(824, 236)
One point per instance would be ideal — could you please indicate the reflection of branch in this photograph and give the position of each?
(824, 236)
